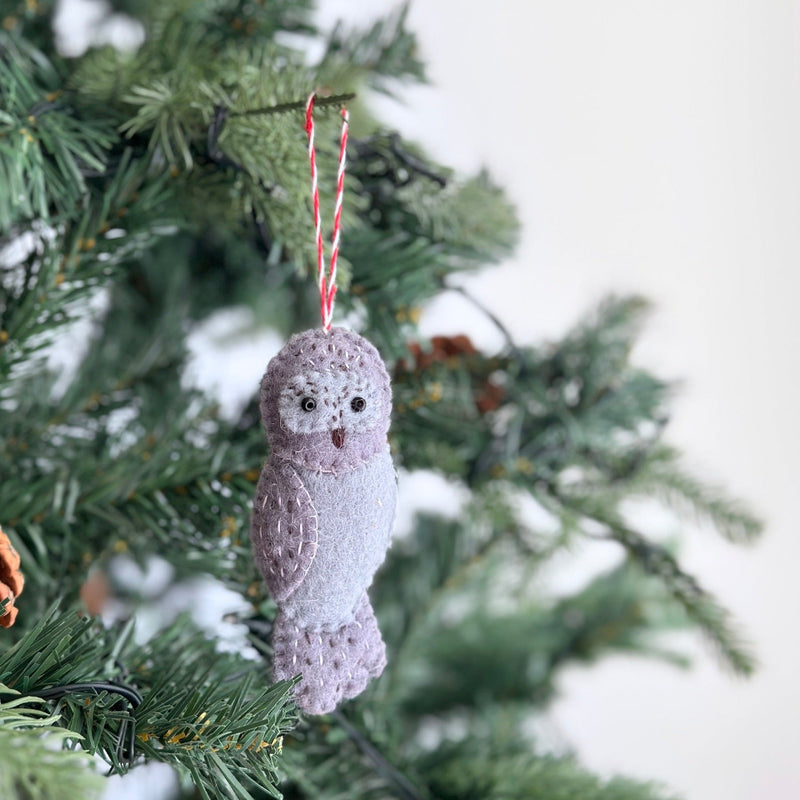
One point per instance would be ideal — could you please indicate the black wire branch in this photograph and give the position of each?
(126, 741)
(366, 149)
(264, 241)
(215, 128)
(262, 628)
(405, 789)
(413, 163)
(496, 321)
(219, 157)
(43, 107)
(296, 105)
(56, 692)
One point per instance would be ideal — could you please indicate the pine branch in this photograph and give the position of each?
(45, 147)
(469, 770)
(34, 765)
(662, 476)
(385, 52)
(515, 655)
(199, 711)
(50, 275)
(700, 606)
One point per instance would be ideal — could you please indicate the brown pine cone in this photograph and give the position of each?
(11, 580)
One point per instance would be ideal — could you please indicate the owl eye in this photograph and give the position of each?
(358, 404)
(308, 404)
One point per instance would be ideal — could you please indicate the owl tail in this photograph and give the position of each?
(334, 664)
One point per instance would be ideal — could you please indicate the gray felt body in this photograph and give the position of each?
(324, 511)
(355, 514)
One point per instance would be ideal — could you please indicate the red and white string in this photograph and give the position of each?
(327, 282)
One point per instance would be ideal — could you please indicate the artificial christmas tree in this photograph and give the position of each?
(143, 191)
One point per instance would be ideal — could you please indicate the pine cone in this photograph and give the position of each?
(489, 395)
(95, 592)
(11, 580)
(442, 348)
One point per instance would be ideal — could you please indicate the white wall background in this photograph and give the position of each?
(654, 146)
(651, 146)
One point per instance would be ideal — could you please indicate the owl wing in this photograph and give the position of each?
(283, 529)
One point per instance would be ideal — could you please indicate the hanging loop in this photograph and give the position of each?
(326, 280)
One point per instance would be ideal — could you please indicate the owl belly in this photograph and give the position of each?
(355, 514)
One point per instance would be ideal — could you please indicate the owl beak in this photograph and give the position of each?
(338, 437)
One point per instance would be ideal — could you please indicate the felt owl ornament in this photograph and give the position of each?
(324, 510)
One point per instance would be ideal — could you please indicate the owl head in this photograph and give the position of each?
(326, 401)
